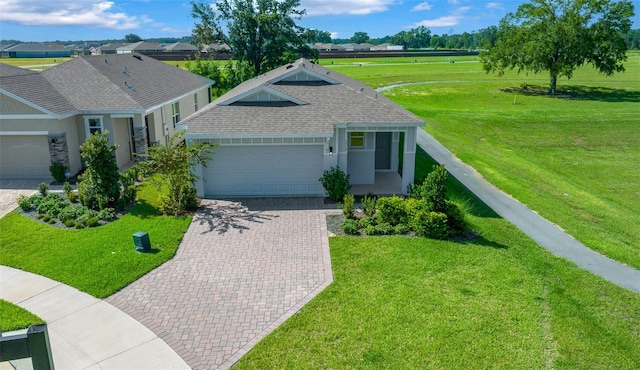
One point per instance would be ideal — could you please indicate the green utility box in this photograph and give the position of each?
(141, 241)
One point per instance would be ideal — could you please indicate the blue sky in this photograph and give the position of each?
(48, 20)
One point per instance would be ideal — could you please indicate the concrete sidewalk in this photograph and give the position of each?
(545, 233)
(85, 332)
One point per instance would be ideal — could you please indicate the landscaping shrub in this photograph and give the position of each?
(383, 228)
(350, 227)
(67, 188)
(43, 188)
(73, 197)
(347, 206)
(72, 211)
(69, 222)
(189, 198)
(24, 202)
(369, 230)
(100, 182)
(128, 183)
(369, 205)
(433, 190)
(92, 221)
(366, 221)
(335, 183)
(400, 229)
(51, 205)
(455, 218)
(57, 172)
(122, 203)
(79, 225)
(391, 210)
(430, 225)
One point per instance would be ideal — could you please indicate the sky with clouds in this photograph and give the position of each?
(48, 20)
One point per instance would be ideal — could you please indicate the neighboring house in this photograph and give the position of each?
(36, 50)
(327, 47)
(357, 47)
(111, 48)
(387, 47)
(45, 116)
(277, 133)
(216, 48)
(140, 47)
(180, 47)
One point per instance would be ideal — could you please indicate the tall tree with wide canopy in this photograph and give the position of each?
(263, 33)
(560, 36)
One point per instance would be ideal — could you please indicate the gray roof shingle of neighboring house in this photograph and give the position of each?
(141, 46)
(35, 46)
(180, 46)
(102, 83)
(313, 108)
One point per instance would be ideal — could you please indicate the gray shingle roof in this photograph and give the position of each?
(117, 82)
(345, 102)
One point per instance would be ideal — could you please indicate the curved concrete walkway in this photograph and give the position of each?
(545, 233)
(242, 269)
(85, 332)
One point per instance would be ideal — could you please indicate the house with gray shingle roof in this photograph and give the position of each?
(140, 47)
(277, 133)
(46, 116)
(180, 47)
(36, 50)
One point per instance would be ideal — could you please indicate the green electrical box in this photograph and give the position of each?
(141, 241)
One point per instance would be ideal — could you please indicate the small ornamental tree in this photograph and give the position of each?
(173, 164)
(100, 183)
(335, 183)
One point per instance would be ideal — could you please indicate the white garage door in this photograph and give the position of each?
(24, 157)
(264, 171)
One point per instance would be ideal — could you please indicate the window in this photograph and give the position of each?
(195, 101)
(356, 140)
(93, 125)
(175, 113)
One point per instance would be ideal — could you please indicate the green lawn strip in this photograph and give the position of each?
(99, 261)
(498, 301)
(15, 317)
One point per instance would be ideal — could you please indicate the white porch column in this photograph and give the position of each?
(409, 161)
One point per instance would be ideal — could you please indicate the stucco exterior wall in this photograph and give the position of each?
(9, 105)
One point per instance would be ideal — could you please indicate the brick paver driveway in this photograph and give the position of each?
(10, 190)
(242, 269)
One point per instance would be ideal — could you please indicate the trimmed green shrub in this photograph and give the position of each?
(46, 218)
(100, 182)
(79, 225)
(430, 225)
(189, 198)
(350, 227)
(24, 202)
(455, 218)
(400, 229)
(336, 183)
(69, 222)
(43, 188)
(366, 221)
(383, 228)
(72, 211)
(433, 190)
(369, 205)
(122, 203)
(52, 220)
(72, 196)
(391, 210)
(347, 206)
(57, 172)
(92, 221)
(51, 205)
(369, 230)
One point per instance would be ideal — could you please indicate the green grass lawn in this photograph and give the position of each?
(14, 317)
(574, 158)
(99, 261)
(499, 301)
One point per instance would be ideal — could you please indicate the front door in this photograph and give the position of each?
(383, 150)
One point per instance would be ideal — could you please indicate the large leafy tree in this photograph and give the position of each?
(263, 33)
(560, 36)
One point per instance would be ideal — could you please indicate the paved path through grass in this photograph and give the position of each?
(545, 233)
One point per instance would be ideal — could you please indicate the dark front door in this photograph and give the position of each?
(383, 150)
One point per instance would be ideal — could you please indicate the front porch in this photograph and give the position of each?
(386, 183)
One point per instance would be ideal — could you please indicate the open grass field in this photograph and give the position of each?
(498, 301)
(574, 158)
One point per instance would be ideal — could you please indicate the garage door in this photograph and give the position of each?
(264, 171)
(24, 157)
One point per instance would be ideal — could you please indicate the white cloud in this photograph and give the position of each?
(334, 35)
(494, 5)
(454, 2)
(90, 13)
(351, 7)
(422, 6)
(453, 19)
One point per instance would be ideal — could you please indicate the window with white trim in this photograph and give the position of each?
(175, 113)
(356, 140)
(195, 102)
(93, 125)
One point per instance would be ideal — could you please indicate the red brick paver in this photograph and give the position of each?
(242, 269)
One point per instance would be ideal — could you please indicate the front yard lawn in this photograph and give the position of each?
(15, 317)
(99, 261)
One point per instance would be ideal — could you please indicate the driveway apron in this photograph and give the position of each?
(241, 270)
